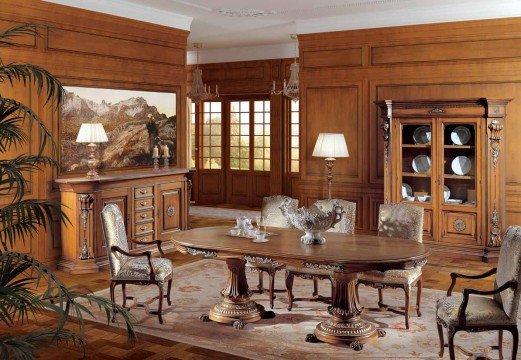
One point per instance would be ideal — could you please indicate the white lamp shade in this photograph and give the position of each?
(92, 133)
(331, 146)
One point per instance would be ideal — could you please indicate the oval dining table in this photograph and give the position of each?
(344, 255)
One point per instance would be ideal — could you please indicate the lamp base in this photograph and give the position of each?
(92, 163)
(329, 166)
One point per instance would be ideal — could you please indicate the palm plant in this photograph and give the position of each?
(20, 274)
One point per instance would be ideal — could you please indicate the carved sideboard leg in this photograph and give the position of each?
(345, 325)
(236, 308)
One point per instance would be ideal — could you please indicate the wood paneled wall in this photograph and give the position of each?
(343, 73)
(86, 48)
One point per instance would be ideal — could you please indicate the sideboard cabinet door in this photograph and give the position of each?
(170, 208)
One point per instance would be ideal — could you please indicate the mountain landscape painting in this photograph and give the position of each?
(135, 121)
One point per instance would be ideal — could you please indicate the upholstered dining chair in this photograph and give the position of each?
(133, 268)
(345, 226)
(273, 217)
(475, 310)
(400, 221)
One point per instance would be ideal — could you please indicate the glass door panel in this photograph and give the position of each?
(417, 162)
(240, 135)
(459, 163)
(211, 136)
(261, 136)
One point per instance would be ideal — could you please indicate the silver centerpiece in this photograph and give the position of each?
(312, 221)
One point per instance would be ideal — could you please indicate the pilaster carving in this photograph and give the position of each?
(85, 206)
(495, 229)
(495, 138)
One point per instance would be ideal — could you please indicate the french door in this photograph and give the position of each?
(233, 159)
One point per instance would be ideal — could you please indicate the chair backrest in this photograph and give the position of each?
(115, 235)
(401, 220)
(509, 268)
(272, 213)
(347, 223)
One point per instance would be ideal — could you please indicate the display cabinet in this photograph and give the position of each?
(446, 156)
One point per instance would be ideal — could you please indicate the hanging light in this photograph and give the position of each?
(291, 89)
(199, 91)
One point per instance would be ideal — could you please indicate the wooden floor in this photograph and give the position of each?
(105, 342)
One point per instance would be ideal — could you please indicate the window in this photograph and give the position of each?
(211, 135)
(294, 136)
(240, 135)
(261, 136)
(193, 124)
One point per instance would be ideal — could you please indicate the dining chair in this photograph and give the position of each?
(480, 312)
(345, 226)
(399, 221)
(273, 217)
(138, 268)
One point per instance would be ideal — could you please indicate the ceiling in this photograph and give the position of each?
(252, 29)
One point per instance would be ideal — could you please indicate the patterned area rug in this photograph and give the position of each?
(197, 286)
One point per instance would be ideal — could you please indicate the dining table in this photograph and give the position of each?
(343, 255)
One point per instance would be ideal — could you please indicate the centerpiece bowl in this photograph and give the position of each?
(312, 221)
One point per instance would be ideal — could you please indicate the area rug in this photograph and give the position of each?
(197, 286)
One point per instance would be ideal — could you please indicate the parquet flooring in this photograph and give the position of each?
(105, 342)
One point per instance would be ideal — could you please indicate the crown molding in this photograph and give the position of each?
(415, 14)
(131, 11)
(244, 53)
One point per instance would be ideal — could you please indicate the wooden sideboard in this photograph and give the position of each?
(153, 204)
(464, 210)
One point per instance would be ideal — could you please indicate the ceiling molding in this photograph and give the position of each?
(131, 11)
(415, 14)
(245, 53)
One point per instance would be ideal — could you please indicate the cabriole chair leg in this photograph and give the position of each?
(160, 305)
(407, 305)
(515, 341)
(442, 341)
(168, 291)
(419, 297)
(289, 288)
(272, 287)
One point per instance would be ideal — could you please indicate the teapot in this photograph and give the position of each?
(244, 223)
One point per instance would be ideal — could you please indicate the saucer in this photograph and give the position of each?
(260, 240)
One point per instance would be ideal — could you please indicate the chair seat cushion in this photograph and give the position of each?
(480, 310)
(394, 277)
(139, 269)
(309, 271)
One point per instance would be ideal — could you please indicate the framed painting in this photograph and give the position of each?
(135, 122)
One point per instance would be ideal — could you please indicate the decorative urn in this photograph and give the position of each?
(312, 221)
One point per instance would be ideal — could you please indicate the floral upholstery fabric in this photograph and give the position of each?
(347, 223)
(401, 221)
(310, 271)
(115, 235)
(395, 277)
(273, 214)
(139, 269)
(480, 310)
(509, 268)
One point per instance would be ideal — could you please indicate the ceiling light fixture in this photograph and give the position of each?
(291, 89)
(199, 92)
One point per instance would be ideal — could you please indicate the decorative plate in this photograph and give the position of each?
(446, 192)
(422, 135)
(421, 164)
(460, 135)
(453, 201)
(461, 165)
(406, 190)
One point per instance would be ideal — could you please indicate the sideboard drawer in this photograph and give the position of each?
(459, 227)
(143, 216)
(145, 238)
(145, 191)
(144, 228)
(143, 204)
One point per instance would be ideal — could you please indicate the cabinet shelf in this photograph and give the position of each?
(460, 147)
(417, 146)
(413, 174)
(458, 177)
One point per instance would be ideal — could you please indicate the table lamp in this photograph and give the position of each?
(92, 134)
(330, 146)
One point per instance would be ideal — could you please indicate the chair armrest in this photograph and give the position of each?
(157, 242)
(148, 254)
(512, 284)
(455, 276)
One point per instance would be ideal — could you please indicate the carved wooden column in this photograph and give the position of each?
(236, 308)
(386, 115)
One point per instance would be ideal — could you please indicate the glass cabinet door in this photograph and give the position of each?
(416, 161)
(459, 164)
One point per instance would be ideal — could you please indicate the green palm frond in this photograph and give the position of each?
(13, 172)
(8, 35)
(44, 135)
(11, 132)
(23, 347)
(24, 218)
